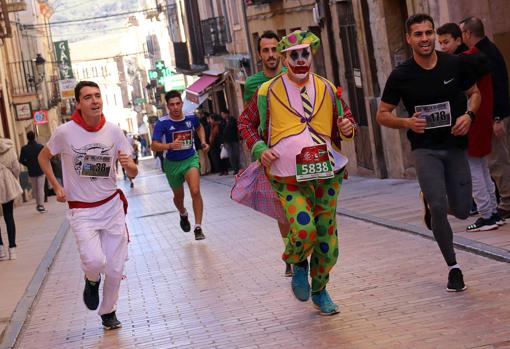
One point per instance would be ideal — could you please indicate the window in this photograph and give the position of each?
(173, 21)
(234, 14)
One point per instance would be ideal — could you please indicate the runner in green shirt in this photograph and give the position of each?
(271, 67)
(271, 64)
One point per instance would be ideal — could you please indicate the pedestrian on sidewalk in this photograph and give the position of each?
(473, 35)
(9, 190)
(28, 158)
(303, 123)
(205, 162)
(433, 86)
(249, 120)
(480, 132)
(175, 136)
(89, 147)
(231, 139)
(219, 163)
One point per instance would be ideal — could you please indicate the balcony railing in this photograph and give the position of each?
(16, 5)
(214, 35)
(24, 77)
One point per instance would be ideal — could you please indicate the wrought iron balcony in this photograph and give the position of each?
(16, 5)
(215, 35)
(24, 77)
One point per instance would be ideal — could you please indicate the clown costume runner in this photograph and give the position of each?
(302, 123)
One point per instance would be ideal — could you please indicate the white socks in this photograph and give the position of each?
(454, 266)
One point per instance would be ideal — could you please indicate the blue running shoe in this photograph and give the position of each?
(323, 302)
(300, 285)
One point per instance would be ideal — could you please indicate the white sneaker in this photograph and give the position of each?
(12, 253)
(2, 253)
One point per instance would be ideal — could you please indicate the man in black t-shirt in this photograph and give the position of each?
(433, 87)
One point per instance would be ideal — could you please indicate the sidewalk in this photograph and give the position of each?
(35, 235)
(228, 291)
(395, 203)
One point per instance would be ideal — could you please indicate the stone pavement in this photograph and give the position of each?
(228, 290)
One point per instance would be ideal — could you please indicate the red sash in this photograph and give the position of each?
(83, 204)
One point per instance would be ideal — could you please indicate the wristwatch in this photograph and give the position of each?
(471, 114)
(497, 119)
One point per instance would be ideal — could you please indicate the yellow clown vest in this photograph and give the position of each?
(284, 121)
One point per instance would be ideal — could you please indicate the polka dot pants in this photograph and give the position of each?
(310, 208)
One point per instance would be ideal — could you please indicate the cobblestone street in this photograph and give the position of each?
(228, 291)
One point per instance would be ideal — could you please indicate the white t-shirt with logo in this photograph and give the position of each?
(88, 159)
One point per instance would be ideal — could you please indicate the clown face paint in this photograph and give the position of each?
(299, 62)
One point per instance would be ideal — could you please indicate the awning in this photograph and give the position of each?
(198, 88)
(142, 128)
(189, 106)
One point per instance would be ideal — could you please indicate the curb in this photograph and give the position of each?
(24, 306)
(492, 252)
(463, 243)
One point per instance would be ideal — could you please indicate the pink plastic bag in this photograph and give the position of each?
(252, 189)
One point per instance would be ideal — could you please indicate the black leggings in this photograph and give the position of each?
(445, 180)
(8, 209)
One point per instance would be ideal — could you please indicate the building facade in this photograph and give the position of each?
(28, 72)
(362, 42)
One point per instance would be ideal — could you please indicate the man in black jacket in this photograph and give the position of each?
(231, 139)
(473, 35)
(28, 157)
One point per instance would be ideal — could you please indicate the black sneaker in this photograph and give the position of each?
(110, 321)
(41, 209)
(455, 281)
(482, 224)
(91, 294)
(474, 209)
(288, 270)
(427, 218)
(199, 234)
(185, 225)
(497, 218)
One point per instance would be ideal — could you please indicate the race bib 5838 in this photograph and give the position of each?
(313, 163)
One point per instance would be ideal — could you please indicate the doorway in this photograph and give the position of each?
(354, 80)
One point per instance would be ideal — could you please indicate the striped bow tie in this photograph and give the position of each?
(308, 109)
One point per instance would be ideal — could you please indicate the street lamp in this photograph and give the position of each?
(39, 66)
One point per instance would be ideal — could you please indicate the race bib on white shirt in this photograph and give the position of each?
(88, 159)
(437, 115)
(96, 166)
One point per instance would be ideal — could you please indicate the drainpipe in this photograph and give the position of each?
(248, 41)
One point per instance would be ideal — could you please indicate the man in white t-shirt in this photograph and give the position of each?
(89, 148)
